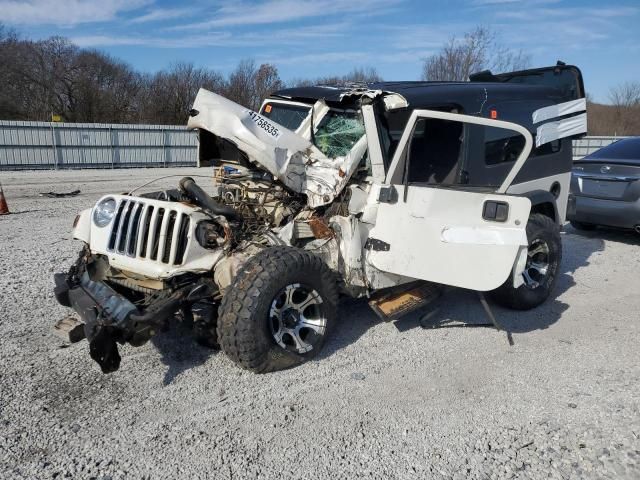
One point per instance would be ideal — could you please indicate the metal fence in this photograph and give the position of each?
(587, 145)
(46, 145)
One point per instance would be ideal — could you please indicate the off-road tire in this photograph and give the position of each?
(539, 227)
(244, 332)
(583, 226)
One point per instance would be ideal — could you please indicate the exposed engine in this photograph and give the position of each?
(260, 201)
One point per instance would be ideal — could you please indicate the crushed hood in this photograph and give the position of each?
(290, 157)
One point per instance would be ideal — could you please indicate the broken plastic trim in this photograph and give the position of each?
(568, 127)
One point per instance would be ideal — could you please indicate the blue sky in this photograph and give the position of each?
(311, 38)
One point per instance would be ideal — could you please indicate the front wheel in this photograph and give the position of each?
(279, 310)
(544, 255)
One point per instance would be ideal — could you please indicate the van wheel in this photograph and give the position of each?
(544, 255)
(583, 226)
(278, 311)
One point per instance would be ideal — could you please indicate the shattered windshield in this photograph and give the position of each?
(287, 115)
(338, 132)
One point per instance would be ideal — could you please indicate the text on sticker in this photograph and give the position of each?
(263, 124)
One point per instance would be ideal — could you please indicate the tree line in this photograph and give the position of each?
(54, 77)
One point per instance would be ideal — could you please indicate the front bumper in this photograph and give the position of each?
(109, 317)
(600, 211)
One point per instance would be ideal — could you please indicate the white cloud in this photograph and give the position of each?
(161, 14)
(526, 3)
(239, 13)
(207, 40)
(73, 12)
(285, 36)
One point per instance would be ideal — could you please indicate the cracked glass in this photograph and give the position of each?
(338, 132)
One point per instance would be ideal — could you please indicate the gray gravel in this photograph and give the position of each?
(383, 401)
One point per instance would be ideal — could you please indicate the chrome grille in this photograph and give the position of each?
(149, 232)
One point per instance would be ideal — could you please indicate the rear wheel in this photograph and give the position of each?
(583, 226)
(544, 255)
(279, 310)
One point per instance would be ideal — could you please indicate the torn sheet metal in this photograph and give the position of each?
(393, 101)
(291, 158)
(568, 127)
(559, 110)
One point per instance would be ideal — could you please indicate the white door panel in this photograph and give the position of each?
(439, 235)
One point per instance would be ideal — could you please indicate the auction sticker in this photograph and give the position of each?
(264, 124)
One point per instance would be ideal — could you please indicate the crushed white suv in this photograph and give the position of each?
(355, 190)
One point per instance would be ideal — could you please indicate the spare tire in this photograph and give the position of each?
(279, 310)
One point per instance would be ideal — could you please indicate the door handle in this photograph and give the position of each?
(495, 211)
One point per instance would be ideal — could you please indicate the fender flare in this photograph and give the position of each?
(544, 199)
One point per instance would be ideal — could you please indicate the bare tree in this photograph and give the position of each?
(477, 50)
(241, 85)
(169, 94)
(248, 85)
(266, 82)
(625, 95)
(102, 89)
(10, 101)
(625, 99)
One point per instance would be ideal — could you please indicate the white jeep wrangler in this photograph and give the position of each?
(331, 190)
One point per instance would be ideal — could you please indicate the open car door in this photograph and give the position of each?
(442, 231)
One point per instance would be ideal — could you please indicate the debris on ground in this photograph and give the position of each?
(59, 195)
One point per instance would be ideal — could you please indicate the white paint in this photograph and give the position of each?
(196, 258)
(82, 230)
(439, 235)
(519, 266)
(559, 110)
(290, 157)
(568, 127)
(375, 149)
(485, 235)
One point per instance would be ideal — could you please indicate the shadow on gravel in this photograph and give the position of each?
(179, 350)
(610, 234)
(354, 319)
(463, 309)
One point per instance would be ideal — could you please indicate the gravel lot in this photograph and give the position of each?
(384, 400)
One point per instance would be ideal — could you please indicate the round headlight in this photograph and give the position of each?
(104, 211)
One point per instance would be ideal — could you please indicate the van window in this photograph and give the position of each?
(289, 116)
(435, 149)
(501, 145)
